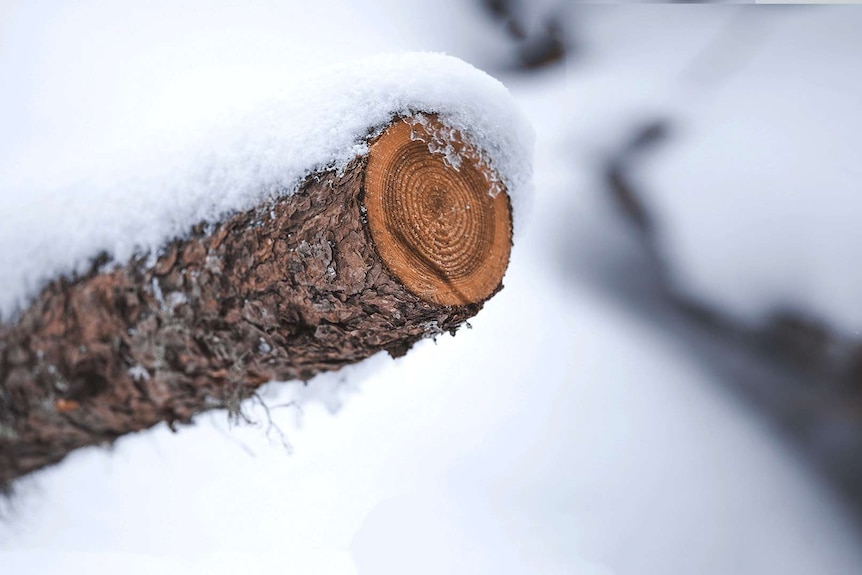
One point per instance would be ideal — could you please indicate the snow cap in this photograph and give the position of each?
(323, 121)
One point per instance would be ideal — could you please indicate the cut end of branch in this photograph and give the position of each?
(436, 213)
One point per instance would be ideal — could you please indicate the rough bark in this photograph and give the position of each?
(281, 292)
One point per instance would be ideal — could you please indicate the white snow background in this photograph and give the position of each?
(560, 435)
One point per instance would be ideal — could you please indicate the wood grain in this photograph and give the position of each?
(434, 222)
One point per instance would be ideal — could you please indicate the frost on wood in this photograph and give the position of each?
(286, 290)
(437, 214)
(451, 143)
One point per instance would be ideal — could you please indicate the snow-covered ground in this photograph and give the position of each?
(561, 434)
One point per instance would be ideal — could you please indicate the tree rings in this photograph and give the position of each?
(436, 212)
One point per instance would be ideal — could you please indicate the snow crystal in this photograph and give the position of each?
(139, 373)
(440, 138)
(176, 298)
(263, 346)
(322, 122)
(157, 293)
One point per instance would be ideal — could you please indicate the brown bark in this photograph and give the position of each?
(285, 291)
